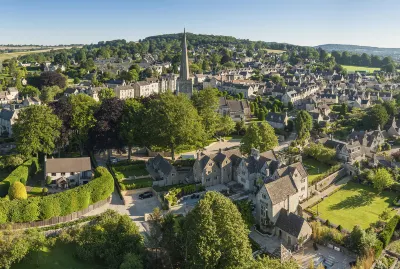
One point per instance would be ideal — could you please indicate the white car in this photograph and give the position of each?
(114, 160)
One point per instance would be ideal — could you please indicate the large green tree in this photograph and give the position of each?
(131, 124)
(206, 103)
(303, 125)
(173, 121)
(259, 136)
(376, 116)
(216, 235)
(382, 179)
(83, 109)
(36, 130)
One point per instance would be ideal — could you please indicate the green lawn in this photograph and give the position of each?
(35, 191)
(125, 171)
(131, 184)
(59, 257)
(354, 204)
(314, 169)
(352, 68)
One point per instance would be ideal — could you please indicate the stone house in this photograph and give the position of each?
(237, 109)
(393, 130)
(277, 120)
(345, 152)
(166, 172)
(125, 91)
(7, 119)
(68, 172)
(29, 101)
(292, 228)
(144, 88)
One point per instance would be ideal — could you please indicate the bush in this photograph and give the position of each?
(48, 180)
(339, 228)
(378, 248)
(60, 204)
(17, 191)
(21, 174)
(386, 235)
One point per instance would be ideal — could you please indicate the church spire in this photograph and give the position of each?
(184, 71)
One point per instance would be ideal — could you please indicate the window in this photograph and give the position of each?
(303, 180)
(72, 173)
(210, 164)
(303, 188)
(63, 173)
(53, 174)
(172, 174)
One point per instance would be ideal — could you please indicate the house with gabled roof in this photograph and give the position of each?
(167, 174)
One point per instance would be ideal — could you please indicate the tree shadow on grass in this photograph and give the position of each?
(363, 198)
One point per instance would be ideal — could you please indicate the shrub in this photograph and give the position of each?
(60, 204)
(378, 248)
(327, 223)
(339, 228)
(21, 174)
(17, 191)
(386, 235)
(48, 180)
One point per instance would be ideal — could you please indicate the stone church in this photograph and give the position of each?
(184, 84)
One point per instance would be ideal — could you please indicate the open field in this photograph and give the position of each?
(275, 51)
(5, 56)
(354, 204)
(59, 257)
(314, 169)
(352, 68)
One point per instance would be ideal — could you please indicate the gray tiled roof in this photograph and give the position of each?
(280, 189)
(290, 223)
(68, 165)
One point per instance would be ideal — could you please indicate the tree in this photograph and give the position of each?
(382, 179)
(240, 127)
(216, 235)
(83, 108)
(290, 106)
(130, 261)
(391, 107)
(109, 240)
(207, 102)
(269, 263)
(260, 137)
(268, 138)
(62, 108)
(48, 79)
(106, 93)
(17, 191)
(343, 109)
(377, 116)
(105, 133)
(29, 91)
(36, 130)
(303, 125)
(131, 124)
(48, 94)
(173, 121)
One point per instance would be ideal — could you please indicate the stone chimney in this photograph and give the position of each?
(255, 153)
(198, 155)
(220, 150)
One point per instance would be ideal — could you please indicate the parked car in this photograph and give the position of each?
(145, 195)
(114, 160)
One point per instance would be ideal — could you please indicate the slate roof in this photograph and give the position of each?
(7, 114)
(290, 223)
(162, 164)
(60, 165)
(280, 189)
(275, 117)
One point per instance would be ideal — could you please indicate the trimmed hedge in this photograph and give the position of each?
(386, 235)
(59, 204)
(21, 174)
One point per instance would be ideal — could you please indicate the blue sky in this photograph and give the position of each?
(302, 22)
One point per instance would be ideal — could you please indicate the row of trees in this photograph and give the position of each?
(166, 120)
(347, 58)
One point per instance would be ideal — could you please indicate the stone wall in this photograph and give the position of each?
(332, 178)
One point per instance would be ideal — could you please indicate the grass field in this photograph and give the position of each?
(314, 169)
(275, 51)
(5, 56)
(354, 204)
(125, 171)
(352, 68)
(59, 257)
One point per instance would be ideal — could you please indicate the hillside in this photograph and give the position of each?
(392, 52)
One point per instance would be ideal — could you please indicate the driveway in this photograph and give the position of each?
(138, 208)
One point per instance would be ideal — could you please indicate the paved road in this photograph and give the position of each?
(326, 192)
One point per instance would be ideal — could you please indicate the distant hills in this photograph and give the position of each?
(392, 52)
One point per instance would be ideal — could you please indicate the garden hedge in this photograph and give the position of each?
(21, 174)
(386, 235)
(59, 204)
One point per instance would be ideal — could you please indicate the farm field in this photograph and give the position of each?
(354, 204)
(352, 68)
(5, 56)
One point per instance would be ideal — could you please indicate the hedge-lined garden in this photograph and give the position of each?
(21, 174)
(60, 204)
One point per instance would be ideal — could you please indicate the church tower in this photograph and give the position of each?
(184, 83)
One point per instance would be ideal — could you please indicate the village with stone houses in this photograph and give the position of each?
(307, 151)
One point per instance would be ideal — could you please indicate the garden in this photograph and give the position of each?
(126, 169)
(132, 184)
(315, 169)
(355, 204)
